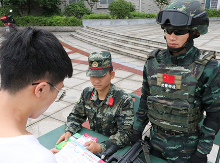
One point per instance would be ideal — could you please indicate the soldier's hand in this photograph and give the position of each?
(63, 137)
(198, 157)
(93, 147)
(137, 135)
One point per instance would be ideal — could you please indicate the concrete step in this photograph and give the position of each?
(140, 39)
(122, 45)
(111, 48)
(118, 38)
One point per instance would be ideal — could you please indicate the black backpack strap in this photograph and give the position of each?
(152, 54)
(204, 58)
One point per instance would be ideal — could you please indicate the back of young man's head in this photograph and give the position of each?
(30, 55)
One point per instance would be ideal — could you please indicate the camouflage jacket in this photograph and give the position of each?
(113, 117)
(207, 91)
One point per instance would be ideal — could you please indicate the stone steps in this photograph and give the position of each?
(110, 48)
(120, 39)
(125, 42)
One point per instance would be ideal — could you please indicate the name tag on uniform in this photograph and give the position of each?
(169, 81)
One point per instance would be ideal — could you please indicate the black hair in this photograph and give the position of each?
(30, 55)
(110, 69)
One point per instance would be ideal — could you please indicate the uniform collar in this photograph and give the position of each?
(109, 97)
(183, 58)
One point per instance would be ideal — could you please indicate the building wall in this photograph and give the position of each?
(147, 6)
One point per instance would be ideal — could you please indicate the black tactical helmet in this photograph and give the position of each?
(185, 13)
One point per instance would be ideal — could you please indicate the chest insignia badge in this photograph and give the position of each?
(169, 81)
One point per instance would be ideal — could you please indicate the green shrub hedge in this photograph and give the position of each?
(213, 12)
(46, 21)
(77, 9)
(97, 16)
(133, 15)
(120, 9)
(142, 15)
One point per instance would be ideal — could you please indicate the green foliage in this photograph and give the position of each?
(77, 9)
(133, 15)
(142, 15)
(119, 9)
(91, 3)
(55, 10)
(49, 6)
(132, 7)
(97, 16)
(4, 10)
(47, 21)
(161, 3)
(213, 12)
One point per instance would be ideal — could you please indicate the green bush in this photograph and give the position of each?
(119, 9)
(47, 21)
(141, 15)
(52, 10)
(97, 16)
(77, 9)
(4, 11)
(132, 7)
(213, 12)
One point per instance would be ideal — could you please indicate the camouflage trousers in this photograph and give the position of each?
(175, 149)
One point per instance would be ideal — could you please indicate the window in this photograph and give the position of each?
(104, 3)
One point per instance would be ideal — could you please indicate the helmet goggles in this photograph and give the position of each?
(178, 18)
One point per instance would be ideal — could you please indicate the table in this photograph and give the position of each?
(49, 140)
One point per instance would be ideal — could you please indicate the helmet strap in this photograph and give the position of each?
(189, 43)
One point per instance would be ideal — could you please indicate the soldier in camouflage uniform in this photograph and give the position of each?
(108, 108)
(179, 84)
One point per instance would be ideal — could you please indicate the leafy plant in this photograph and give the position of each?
(132, 7)
(119, 9)
(213, 12)
(47, 21)
(4, 10)
(77, 9)
(91, 3)
(161, 3)
(97, 16)
(30, 4)
(142, 15)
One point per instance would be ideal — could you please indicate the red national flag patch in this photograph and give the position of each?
(110, 101)
(168, 78)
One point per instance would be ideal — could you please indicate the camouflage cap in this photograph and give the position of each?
(99, 63)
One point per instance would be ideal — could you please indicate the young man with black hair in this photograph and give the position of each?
(33, 67)
(108, 108)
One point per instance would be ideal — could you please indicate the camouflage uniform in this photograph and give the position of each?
(179, 148)
(178, 87)
(112, 117)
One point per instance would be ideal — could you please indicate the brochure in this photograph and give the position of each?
(74, 152)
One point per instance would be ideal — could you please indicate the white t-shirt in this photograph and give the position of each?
(24, 149)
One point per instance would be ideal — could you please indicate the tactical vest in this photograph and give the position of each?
(172, 93)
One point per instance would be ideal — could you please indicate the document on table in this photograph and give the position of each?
(73, 152)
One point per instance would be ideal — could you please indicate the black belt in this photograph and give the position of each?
(173, 133)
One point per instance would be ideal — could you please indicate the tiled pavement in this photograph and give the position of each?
(128, 77)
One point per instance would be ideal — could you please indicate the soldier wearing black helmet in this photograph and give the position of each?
(179, 84)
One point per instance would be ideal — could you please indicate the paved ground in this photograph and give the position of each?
(128, 75)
